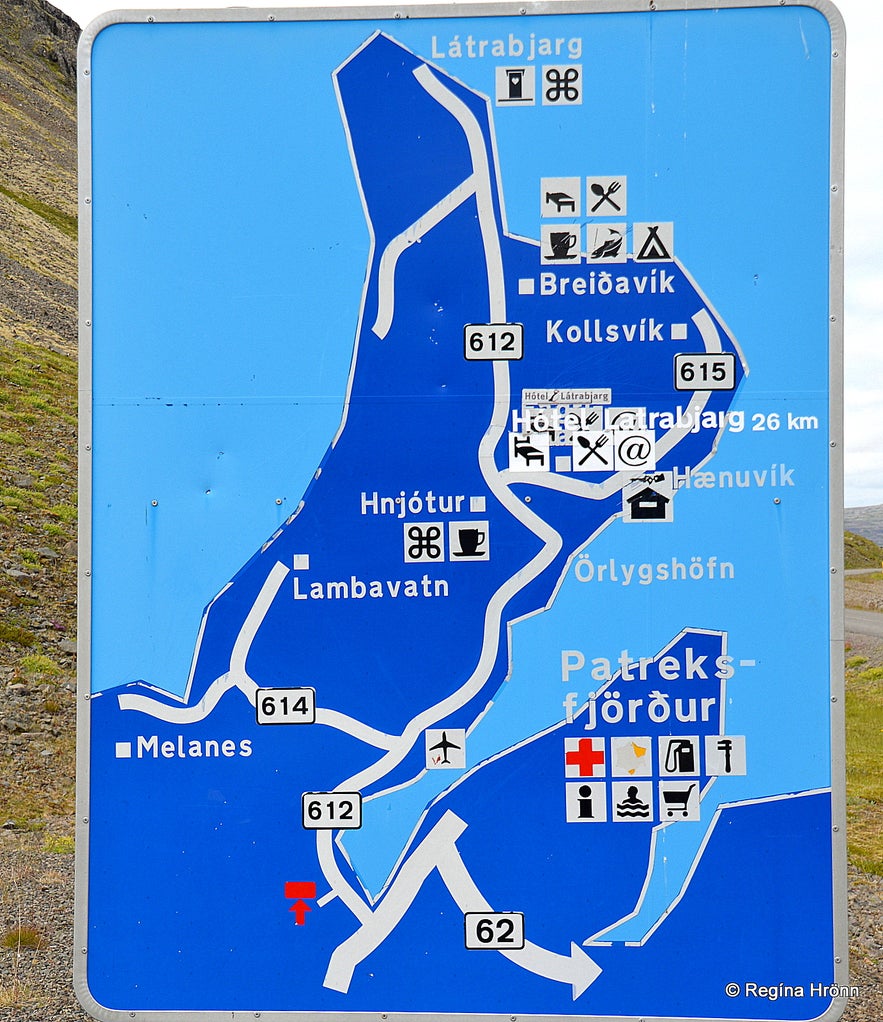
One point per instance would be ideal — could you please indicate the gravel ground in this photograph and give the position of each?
(865, 947)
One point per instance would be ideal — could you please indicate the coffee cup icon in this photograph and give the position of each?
(471, 541)
(562, 244)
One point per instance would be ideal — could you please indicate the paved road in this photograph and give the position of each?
(865, 622)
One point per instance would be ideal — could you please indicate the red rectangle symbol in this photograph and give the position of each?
(300, 889)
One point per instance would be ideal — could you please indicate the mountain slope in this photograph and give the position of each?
(866, 521)
(38, 200)
(38, 395)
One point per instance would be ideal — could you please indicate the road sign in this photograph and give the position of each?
(460, 485)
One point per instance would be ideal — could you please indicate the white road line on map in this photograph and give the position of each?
(577, 969)
(180, 714)
(236, 677)
(340, 886)
(481, 174)
(496, 301)
(356, 728)
(709, 332)
(401, 242)
(384, 919)
(438, 850)
(255, 618)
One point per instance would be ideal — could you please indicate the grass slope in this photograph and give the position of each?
(38, 413)
(859, 552)
(864, 760)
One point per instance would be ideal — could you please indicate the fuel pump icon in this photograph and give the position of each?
(680, 757)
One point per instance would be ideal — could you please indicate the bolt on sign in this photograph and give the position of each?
(460, 479)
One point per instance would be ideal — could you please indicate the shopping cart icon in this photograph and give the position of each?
(678, 801)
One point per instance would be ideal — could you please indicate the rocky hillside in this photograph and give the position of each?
(38, 392)
(38, 175)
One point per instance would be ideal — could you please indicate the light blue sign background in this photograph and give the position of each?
(229, 253)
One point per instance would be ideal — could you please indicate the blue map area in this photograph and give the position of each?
(441, 520)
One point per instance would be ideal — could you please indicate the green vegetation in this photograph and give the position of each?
(34, 372)
(864, 759)
(18, 499)
(23, 937)
(38, 666)
(38, 501)
(859, 552)
(15, 633)
(66, 512)
(58, 844)
(65, 222)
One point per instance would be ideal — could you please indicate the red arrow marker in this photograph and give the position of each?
(300, 909)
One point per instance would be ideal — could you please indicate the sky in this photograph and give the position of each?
(863, 354)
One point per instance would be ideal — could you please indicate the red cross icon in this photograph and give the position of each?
(588, 754)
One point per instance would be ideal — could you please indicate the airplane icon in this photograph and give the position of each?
(450, 743)
(444, 745)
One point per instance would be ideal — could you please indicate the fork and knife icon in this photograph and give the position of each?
(605, 194)
(593, 449)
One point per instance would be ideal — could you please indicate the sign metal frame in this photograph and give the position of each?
(531, 9)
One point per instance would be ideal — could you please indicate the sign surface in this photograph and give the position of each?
(460, 486)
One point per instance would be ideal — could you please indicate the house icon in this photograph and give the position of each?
(648, 505)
